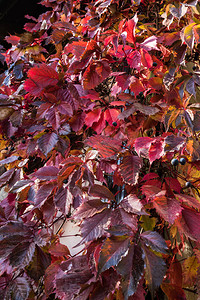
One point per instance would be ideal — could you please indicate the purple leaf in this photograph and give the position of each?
(154, 240)
(131, 268)
(47, 173)
(5, 177)
(22, 254)
(63, 199)
(72, 274)
(94, 227)
(101, 191)
(8, 160)
(20, 185)
(43, 193)
(112, 252)
(19, 288)
(155, 269)
(89, 209)
(47, 142)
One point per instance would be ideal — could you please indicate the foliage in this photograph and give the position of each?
(99, 123)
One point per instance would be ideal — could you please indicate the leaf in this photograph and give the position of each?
(173, 142)
(96, 73)
(119, 217)
(146, 59)
(173, 291)
(154, 240)
(130, 27)
(142, 144)
(150, 43)
(19, 288)
(13, 228)
(106, 146)
(59, 250)
(21, 254)
(6, 176)
(94, 227)
(112, 252)
(132, 204)
(155, 269)
(39, 264)
(189, 223)
(47, 173)
(179, 11)
(190, 268)
(49, 279)
(187, 35)
(189, 200)
(21, 185)
(146, 109)
(169, 208)
(63, 199)
(156, 150)
(131, 268)
(43, 193)
(39, 78)
(101, 191)
(92, 117)
(8, 160)
(129, 169)
(72, 274)
(47, 142)
(89, 209)
(134, 59)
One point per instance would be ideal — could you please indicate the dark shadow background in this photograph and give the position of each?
(12, 14)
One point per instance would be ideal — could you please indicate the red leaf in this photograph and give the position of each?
(156, 150)
(134, 59)
(47, 173)
(173, 291)
(19, 288)
(39, 78)
(12, 39)
(146, 59)
(129, 168)
(119, 217)
(189, 200)
(136, 86)
(112, 251)
(129, 27)
(106, 146)
(59, 250)
(47, 142)
(92, 116)
(169, 208)
(189, 223)
(72, 274)
(111, 115)
(96, 73)
(142, 144)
